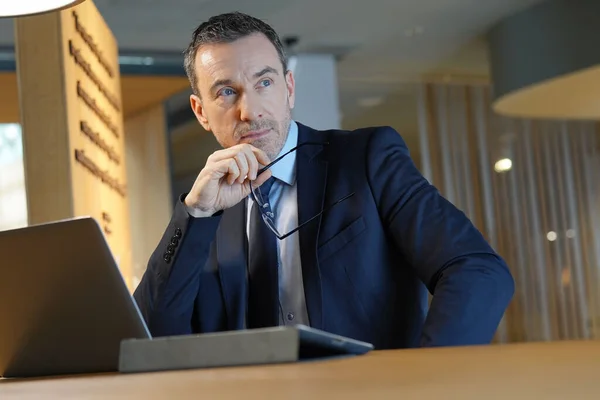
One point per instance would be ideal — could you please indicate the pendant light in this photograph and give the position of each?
(20, 8)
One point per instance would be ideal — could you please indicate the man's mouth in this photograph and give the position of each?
(253, 135)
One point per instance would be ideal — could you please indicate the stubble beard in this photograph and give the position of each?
(274, 142)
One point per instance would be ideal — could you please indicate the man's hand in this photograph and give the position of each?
(225, 179)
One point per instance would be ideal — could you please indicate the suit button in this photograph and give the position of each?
(167, 258)
(175, 241)
(170, 250)
(177, 233)
(290, 316)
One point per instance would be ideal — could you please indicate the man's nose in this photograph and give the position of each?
(250, 107)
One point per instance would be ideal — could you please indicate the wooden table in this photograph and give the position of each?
(559, 370)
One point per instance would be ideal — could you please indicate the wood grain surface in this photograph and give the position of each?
(558, 370)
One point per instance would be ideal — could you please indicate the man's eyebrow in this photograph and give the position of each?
(264, 71)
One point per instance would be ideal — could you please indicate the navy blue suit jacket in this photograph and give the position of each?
(367, 263)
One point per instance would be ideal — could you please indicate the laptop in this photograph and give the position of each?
(64, 306)
(65, 309)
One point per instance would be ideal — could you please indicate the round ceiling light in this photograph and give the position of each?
(21, 8)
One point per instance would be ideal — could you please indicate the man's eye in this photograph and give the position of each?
(227, 92)
(266, 82)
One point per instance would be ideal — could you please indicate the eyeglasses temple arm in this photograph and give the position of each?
(269, 165)
(319, 214)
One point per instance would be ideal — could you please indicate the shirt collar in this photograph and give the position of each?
(285, 169)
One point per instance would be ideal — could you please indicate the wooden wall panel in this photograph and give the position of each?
(149, 184)
(71, 114)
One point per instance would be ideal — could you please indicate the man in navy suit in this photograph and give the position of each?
(333, 229)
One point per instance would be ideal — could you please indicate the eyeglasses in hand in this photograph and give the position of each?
(262, 201)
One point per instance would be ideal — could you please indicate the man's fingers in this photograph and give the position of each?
(262, 178)
(252, 163)
(248, 158)
(232, 151)
(261, 156)
(242, 162)
(227, 168)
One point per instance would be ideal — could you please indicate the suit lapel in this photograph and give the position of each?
(311, 172)
(231, 246)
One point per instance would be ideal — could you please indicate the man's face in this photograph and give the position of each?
(245, 95)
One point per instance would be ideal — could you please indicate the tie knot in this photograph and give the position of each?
(265, 188)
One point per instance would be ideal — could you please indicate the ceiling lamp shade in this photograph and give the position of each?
(545, 62)
(20, 8)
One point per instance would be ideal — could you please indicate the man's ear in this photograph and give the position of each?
(198, 109)
(291, 88)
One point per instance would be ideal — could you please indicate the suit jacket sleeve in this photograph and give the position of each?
(470, 283)
(169, 287)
